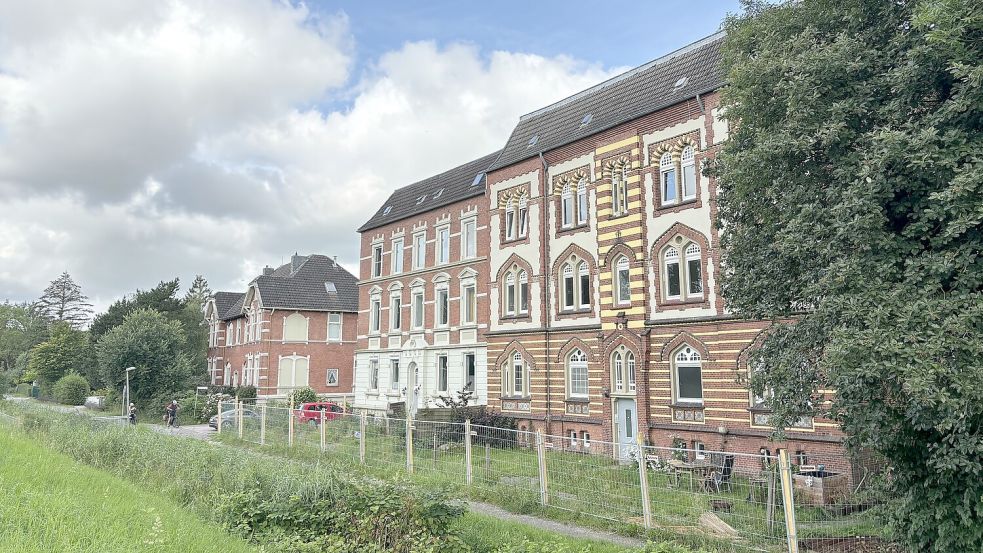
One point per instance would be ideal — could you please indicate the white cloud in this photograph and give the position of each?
(169, 140)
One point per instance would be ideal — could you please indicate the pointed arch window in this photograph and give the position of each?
(671, 257)
(694, 271)
(577, 374)
(516, 292)
(510, 294)
(619, 190)
(569, 289)
(622, 281)
(510, 220)
(623, 370)
(515, 381)
(566, 206)
(688, 376)
(682, 271)
(667, 171)
(582, 202)
(583, 276)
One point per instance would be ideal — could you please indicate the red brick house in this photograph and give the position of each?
(606, 319)
(423, 293)
(294, 326)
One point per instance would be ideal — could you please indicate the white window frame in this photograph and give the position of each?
(523, 292)
(396, 311)
(518, 375)
(566, 207)
(693, 252)
(442, 311)
(397, 256)
(419, 250)
(394, 374)
(376, 260)
(470, 380)
(569, 288)
(585, 438)
(583, 210)
(687, 357)
(443, 372)
(687, 160)
(375, 313)
(577, 360)
(469, 303)
(469, 239)
(296, 316)
(619, 190)
(443, 245)
(418, 310)
(622, 289)
(510, 222)
(522, 217)
(373, 374)
(336, 324)
(667, 168)
(510, 294)
(670, 256)
(582, 276)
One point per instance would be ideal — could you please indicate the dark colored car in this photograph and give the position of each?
(311, 412)
(230, 418)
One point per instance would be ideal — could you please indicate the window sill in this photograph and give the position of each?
(572, 229)
(683, 405)
(680, 302)
(516, 398)
(511, 241)
(515, 318)
(580, 311)
(577, 399)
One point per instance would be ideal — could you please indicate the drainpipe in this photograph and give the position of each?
(546, 289)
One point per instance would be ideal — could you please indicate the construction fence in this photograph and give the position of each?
(726, 500)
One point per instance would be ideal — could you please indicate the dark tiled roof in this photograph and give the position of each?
(628, 96)
(228, 305)
(439, 190)
(301, 284)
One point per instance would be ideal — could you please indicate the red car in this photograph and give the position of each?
(311, 412)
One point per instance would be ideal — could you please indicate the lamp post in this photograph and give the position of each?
(126, 390)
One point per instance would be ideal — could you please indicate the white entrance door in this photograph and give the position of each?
(626, 418)
(412, 389)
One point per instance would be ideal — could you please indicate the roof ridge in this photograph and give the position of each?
(622, 76)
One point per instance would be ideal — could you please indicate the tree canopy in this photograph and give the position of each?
(63, 300)
(67, 350)
(851, 188)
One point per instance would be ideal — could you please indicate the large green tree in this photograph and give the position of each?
(66, 350)
(21, 327)
(162, 298)
(154, 345)
(64, 301)
(851, 204)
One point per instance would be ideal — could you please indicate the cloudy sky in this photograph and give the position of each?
(140, 141)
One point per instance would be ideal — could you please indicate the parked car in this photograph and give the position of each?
(230, 418)
(311, 412)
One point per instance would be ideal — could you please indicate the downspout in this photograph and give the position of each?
(546, 291)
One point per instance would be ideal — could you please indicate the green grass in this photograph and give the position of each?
(487, 534)
(48, 502)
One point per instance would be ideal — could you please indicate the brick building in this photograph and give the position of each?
(606, 319)
(294, 326)
(423, 293)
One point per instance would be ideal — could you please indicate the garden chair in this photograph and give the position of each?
(721, 476)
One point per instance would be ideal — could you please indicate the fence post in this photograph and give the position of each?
(643, 480)
(409, 443)
(544, 496)
(262, 425)
(788, 501)
(468, 476)
(239, 420)
(219, 425)
(323, 430)
(361, 437)
(290, 426)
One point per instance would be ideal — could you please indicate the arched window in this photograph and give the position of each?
(688, 162)
(583, 276)
(569, 289)
(510, 294)
(619, 190)
(292, 373)
(295, 328)
(516, 292)
(694, 272)
(577, 374)
(566, 206)
(510, 220)
(523, 216)
(582, 202)
(523, 292)
(630, 370)
(667, 170)
(623, 370)
(688, 377)
(618, 366)
(622, 281)
(514, 378)
(671, 257)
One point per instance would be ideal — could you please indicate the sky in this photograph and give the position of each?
(142, 141)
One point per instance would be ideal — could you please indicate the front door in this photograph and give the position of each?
(626, 420)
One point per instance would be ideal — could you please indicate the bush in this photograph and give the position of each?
(247, 392)
(303, 395)
(71, 389)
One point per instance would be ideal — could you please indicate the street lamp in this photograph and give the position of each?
(126, 390)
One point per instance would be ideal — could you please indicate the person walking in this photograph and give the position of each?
(133, 413)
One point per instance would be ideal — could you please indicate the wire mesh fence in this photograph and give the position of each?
(738, 501)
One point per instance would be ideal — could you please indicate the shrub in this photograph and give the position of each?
(247, 392)
(71, 389)
(303, 395)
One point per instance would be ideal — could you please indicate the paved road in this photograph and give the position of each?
(196, 431)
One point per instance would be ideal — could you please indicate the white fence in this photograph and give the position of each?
(724, 500)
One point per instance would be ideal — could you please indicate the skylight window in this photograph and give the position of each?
(330, 287)
(586, 120)
(387, 210)
(680, 83)
(533, 141)
(477, 179)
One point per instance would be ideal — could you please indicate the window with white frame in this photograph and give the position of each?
(397, 256)
(469, 237)
(622, 281)
(583, 275)
(569, 288)
(510, 294)
(295, 328)
(394, 374)
(417, 309)
(575, 285)
(292, 374)
(443, 245)
(623, 367)
(687, 161)
(682, 274)
(582, 202)
(566, 206)
(238, 331)
(516, 288)
(523, 217)
(577, 374)
(688, 376)
(619, 190)
(585, 438)
(442, 373)
(518, 375)
(523, 293)
(443, 306)
(373, 374)
(469, 304)
(375, 312)
(377, 260)
(334, 327)
(510, 223)
(419, 250)
(699, 450)
(470, 371)
(667, 172)
(573, 438)
(395, 312)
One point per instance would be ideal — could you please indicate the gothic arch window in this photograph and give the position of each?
(622, 281)
(682, 271)
(516, 216)
(515, 286)
(515, 376)
(623, 371)
(687, 373)
(575, 284)
(577, 374)
(619, 189)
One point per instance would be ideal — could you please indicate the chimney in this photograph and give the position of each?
(295, 262)
(267, 271)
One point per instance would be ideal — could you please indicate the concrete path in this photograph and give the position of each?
(196, 431)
